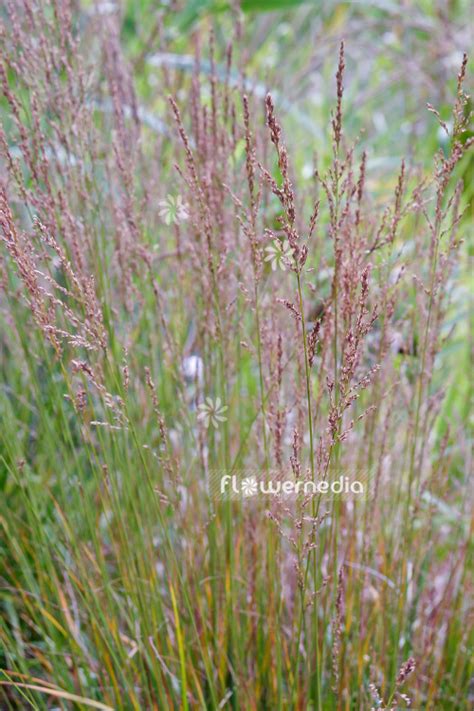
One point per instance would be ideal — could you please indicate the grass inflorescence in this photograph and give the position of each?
(176, 303)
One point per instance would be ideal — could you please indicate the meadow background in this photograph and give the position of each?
(199, 277)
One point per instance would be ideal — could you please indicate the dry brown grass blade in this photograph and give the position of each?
(58, 693)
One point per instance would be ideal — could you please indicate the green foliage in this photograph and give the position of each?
(125, 584)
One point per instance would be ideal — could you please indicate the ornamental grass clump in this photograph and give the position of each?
(178, 306)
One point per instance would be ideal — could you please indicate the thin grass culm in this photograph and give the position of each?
(235, 296)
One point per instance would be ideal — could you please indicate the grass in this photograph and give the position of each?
(181, 302)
